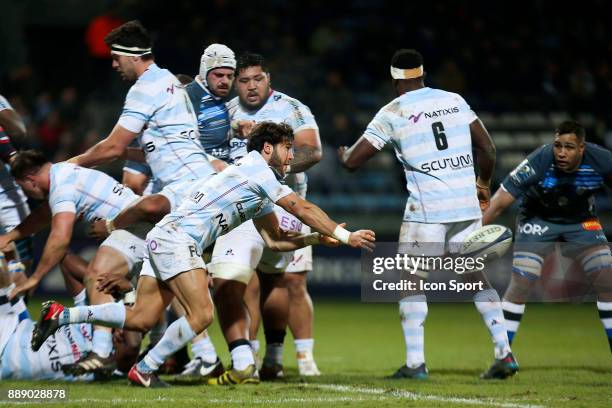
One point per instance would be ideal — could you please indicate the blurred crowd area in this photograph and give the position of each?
(522, 66)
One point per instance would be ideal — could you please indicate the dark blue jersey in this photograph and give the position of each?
(213, 119)
(557, 196)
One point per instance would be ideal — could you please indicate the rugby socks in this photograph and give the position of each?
(204, 349)
(413, 312)
(274, 347)
(254, 346)
(177, 335)
(81, 298)
(242, 355)
(513, 313)
(102, 343)
(108, 314)
(605, 314)
(157, 332)
(304, 345)
(489, 305)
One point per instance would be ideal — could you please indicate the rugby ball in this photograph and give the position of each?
(491, 241)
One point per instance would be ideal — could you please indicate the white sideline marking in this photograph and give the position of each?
(369, 395)
(416, 397)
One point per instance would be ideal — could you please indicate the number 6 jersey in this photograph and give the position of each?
(430, 132)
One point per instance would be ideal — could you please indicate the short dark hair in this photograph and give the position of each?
(250, 59)
(571, 126)
(406, 59)
(131, 34)
(26, 162)
(270, 132)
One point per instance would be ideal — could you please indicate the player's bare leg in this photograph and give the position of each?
(190, 289)
(106, 260)
(251, 300)
(300, 322)
(274, 304)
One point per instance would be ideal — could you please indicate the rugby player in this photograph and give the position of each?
(237, 255)
(158, 112)
(556, 185)
(433, 132)
(73, 194)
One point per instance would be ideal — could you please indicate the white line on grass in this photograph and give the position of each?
(422, 397)
(369, 394)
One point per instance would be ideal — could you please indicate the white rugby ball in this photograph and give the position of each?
(491, 241)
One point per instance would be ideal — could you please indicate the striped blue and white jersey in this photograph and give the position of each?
(430, 132)
(66, 346)
(279, 108)
(4, 103)
(18, 361)
(213, 119)
(245, 190)
(135, 167)
(90, 194)
(158, 106)
(10, 192)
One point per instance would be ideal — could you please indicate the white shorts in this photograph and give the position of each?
(237, 253)
(418, 238)
(130, 242)
(171, 254)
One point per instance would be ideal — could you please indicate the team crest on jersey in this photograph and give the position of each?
(522, 172)
(592, 225)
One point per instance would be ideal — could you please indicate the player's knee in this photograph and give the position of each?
(144, 324)
(597, 260)
(295, 285)
(527, 265)
(200, 318)
(155, 207)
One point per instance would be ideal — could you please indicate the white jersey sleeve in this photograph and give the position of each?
(378, 130)
(4, 104)
(63, 195)
(137, 109)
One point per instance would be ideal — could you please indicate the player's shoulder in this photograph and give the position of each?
(281, 98)
(448, 95)
(597, 155)
(541, 158)
(233, 104)
(64, 171)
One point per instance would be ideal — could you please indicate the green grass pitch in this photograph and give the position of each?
(562, 351)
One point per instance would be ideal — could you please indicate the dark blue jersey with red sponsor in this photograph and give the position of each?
(557, 196)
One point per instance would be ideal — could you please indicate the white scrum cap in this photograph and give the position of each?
(216, 56)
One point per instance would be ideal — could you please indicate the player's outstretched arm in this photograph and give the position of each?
(316, 218)
(55, 249)
(107, 150)
(355, 156)
(280, 241)
(500, 201)
(35, 222)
